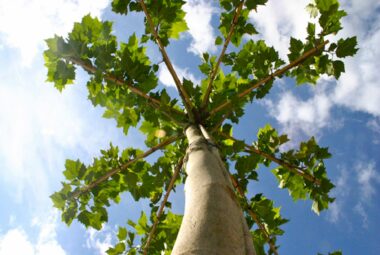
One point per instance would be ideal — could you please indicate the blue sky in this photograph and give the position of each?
(40, 127)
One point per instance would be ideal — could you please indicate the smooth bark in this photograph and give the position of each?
(213, 221)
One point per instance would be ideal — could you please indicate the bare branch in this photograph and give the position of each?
(124, 166)
(226, 42)
(292, 168)
(185, 97)
(279, 72)
(254, 215)
(162, 206)
(155, 103)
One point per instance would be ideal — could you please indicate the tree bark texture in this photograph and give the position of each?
(213, 222)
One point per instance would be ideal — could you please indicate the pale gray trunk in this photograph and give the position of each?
(213, 222)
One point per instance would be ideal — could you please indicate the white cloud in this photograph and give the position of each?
(25, 24)
(357, 89)
(340, 192)
(100, 241)
(299, 116)
(367, 178)
(165, 77)
(355, 189)
(276, 22)
(359, 209)
(374, 125)
(40, 128)
(17, 242)
(198, 19)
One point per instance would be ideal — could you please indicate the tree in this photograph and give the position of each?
(194, 130)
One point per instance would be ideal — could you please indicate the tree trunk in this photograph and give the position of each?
(213, 221)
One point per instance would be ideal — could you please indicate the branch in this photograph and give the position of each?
(185, 97)
(162, 206)
(295, 169)
(226, 42)
(124, 166)
(155, 103)
(279, 72)
(254, 215)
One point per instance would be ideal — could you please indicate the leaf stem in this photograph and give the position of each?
(254, 215)
(183, 94)
(124, 166)
(220, 58)
(279, 72)
(295, 169)
(162, 206)
(153, 101)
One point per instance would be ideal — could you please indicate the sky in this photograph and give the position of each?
(41, 127)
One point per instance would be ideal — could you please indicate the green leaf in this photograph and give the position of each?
(218, 41)
(73, 169)
(252, 4)
(177, 28)
(338, 68)
(120, 6)
(122, 234)
(142, 226)
(325, 5)
(346, 47)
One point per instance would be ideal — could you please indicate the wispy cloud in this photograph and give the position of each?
(99, 241)
(340, 192)
(367, 178)
(298, 116)
(166, 78)
(277, 22)
(198, 19)
(354, 192)
(24, 24)
(17, 242)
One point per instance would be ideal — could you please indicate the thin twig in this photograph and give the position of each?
(254, 215)
(124, 166)
(226, 42)
(155, 102)
(295, 169)
(279, 72)
(185, 97)
(221, 121)
(162, 206)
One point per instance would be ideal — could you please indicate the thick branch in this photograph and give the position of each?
(225, 45)
(294, 169)
(185, 97)
(124, 166)
(279, 72)
(162, 206)
(253, 215)
(155, 103)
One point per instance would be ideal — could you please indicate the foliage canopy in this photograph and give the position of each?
(123, 81)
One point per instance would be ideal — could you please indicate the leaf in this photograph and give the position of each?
(313, 10)
(73, 169)
(346, 47)
(142, 226)
(218, 41)
(177, 28)
(325, 5)
(252, 4)
(122, 234)
(120, 6)
(338, 68)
